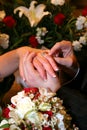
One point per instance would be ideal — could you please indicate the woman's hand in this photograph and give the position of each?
(42, 62)
(32, 76)
(46, 63)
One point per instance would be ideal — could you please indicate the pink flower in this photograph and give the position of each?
(59, 19)
(9, 21)
(33, 41)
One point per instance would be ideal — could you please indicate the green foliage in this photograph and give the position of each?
(19, 35)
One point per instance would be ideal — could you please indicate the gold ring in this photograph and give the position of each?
(43, 53)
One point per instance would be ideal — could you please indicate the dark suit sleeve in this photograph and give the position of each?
(6, 84)
(74, 96)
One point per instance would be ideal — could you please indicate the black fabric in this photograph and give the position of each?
(6, 84)
(74, 96)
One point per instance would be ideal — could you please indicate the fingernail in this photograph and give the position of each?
(54, 75)
(56, 69)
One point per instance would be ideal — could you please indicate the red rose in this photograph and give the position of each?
(6, 129)
(5, 112)
(12, 105)
(31, 90)
(33, 41)
(9, 21)
(84, 11)
(49, 113)
(47, 128)
(59, 19)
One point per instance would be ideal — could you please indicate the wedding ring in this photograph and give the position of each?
(43, 53)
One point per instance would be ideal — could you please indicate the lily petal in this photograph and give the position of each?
(22, 10)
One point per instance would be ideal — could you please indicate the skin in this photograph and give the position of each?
(11, 61)
(40, 66)
(32, 64)
(33, 78)
(64, 56)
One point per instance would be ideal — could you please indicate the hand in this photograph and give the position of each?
(64, 56)
(42, 63)
(32, 76)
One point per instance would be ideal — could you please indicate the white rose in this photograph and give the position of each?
(34, 117)
(23, 106)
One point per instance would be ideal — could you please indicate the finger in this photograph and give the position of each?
(28, 62)
(47, 66)
(64, 46)
(21, 67)
(31, 74)
(40, 68)
(28, 67)
(54, 49)
(64, 61)
(52, 62)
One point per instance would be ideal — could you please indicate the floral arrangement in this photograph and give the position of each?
(35, 109)
(39, 23)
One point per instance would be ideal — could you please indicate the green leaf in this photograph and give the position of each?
(5, 126)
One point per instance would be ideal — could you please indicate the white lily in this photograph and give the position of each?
(34, 13)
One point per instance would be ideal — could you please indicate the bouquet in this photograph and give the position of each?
(36, 109)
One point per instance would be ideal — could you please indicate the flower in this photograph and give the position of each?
(58, 2)
(2, 15)
(33, 41)
(40, 24)
(4, 40)
(28, 112)
(6, 112)
(34, 14)
(77, 46)
(84, 11)
(80, 23)
(59, 19)
(9, 21)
